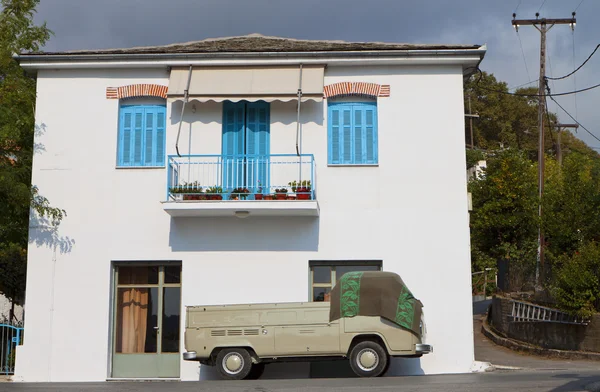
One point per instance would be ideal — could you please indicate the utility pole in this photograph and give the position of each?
(543, 26)
(471, 116)
(558, 145)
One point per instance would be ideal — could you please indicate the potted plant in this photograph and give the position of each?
(281, 193)
(239, 193)
(258, 195)
(269, 197)
(214, 193)
(191, 191)
(301, 189)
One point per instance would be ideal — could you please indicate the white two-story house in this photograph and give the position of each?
(241, 170)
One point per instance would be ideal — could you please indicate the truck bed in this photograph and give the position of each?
(257, 315)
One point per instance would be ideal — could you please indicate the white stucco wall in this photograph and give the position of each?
(416, 221)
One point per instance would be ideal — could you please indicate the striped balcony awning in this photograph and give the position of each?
(264, 83)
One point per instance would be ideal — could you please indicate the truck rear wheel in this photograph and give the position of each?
(234, 363)
(368, 359)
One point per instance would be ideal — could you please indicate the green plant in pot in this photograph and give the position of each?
(258, 195)
(239, 193)
(189, 191)
(281, 193)
(302, 189)
(214, 193)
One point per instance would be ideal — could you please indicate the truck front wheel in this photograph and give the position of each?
(368, 359)
(234, 363)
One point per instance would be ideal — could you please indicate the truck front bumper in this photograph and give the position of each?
(423, 348)
(190, 356)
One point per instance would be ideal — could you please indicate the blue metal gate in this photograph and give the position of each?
(10, 337)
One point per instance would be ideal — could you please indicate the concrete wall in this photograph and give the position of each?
(416, 221)
(545, 334)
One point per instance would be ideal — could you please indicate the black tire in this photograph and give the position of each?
(376, 353)
(237, 354)
(256, 372)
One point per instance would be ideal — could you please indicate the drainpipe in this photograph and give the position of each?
(185, 100)
(298, 137)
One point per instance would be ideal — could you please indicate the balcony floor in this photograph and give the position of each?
(212, 208)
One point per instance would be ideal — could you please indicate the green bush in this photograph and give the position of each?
(576, 286)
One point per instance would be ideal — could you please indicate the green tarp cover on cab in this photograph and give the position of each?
(375, 293)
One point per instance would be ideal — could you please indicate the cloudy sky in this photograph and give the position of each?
(93, 24)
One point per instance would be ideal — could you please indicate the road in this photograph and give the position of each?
(522, 381)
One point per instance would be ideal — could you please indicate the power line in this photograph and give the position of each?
(573, 118)
(533, 95)
(578, 68)
(524, 84)
(523, 53)
(575, 8)
(518, 5)
(544, 2)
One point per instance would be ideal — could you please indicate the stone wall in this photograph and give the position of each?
(545, 334)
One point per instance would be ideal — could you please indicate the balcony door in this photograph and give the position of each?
(246, 145)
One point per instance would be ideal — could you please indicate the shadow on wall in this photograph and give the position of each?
(40, 130)
(43, 233)
(244, 235)
(281, 112)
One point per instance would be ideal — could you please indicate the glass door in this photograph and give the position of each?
(146, 325)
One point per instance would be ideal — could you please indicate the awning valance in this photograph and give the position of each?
(266, 83)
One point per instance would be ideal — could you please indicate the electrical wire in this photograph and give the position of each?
(518, 5)
(578, 68)
(579, 5)
(544, 2)
(524, 84)
(573, 118)
(531, 95)
(523, 53)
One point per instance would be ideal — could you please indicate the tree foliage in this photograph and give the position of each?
(18, 197)
(504, 220)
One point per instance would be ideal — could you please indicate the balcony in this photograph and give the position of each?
(241, 185)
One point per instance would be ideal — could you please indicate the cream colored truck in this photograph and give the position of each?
(372, 316)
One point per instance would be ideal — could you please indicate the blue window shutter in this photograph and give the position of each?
(370, 134)
(149, 136)
(125, 134)
(334, 135)
(352, 132)
(358, 140)
(161, 115)
(258, 140)
(141, 140)
(347, 135)
(232, 148)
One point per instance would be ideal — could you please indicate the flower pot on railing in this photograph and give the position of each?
(281, 194)
(258, 196)
(187, 192)
(239, 194)
(301, 189)
(269, 197)
(303, 193)
(214, 193)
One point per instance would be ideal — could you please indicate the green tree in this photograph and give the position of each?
(17, 128)
(504, 217)
(511, 121)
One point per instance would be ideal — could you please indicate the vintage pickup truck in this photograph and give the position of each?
(371, 317)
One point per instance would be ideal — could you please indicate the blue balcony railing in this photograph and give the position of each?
(247, 177)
